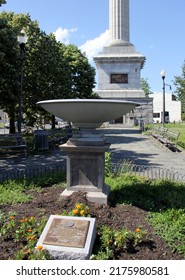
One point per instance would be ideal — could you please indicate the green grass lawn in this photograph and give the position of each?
(179, 128)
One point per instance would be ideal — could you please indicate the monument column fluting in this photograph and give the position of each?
(119, 22)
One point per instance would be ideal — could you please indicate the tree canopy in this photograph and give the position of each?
(9, 65)
(2, 2)
(145, 87)
(179, 82)
(51, 69)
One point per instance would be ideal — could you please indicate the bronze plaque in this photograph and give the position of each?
(119, 78)
(67, 233)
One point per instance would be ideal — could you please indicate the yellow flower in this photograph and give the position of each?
(26, 252)
(137, 230)
(31, 237)
(82, 212)
(78, 206)
(29, 230)
(39, 247)
(21, 221)
(75, 211)
(11, 217)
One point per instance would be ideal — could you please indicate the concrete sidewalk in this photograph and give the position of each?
(127, 144)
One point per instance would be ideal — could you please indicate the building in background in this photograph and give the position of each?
(3, 116)
(173, 108)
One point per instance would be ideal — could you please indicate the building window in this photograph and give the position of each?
(119, 78)
(156, 115)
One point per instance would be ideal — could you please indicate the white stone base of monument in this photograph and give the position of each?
(68, 237)
(96, 196)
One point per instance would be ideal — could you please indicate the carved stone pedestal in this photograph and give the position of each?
(86, 165)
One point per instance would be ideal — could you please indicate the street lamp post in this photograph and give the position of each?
(163, 75)
(22, 39)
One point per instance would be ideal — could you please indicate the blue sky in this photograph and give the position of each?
(156, 29)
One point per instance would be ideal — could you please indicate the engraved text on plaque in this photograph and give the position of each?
(68, 233)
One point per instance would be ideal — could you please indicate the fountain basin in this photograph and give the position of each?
(84, 113)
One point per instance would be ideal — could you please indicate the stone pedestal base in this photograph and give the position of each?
(85, 167)
(97, 197)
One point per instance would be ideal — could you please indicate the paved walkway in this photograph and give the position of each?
(19, 162)
(127, 144)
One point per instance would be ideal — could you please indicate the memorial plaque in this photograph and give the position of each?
(67, 233)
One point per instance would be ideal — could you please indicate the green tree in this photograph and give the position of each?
(2, 2)
(180, 88)
(145, 87)
(9, 73)
(51, 69)
(10, 64)
(45, 72)
(82, 74)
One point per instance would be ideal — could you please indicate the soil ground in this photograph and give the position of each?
(48, 202)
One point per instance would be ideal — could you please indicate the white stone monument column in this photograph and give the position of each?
(119, 22)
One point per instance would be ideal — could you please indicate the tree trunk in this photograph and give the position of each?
(12, 125)
(53, 122)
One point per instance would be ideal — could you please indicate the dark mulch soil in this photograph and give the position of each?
(48, 202)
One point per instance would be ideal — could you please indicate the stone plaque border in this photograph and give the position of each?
(89, 234)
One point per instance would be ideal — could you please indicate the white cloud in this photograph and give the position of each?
(63, 34)
(90, 47)
(94, 46)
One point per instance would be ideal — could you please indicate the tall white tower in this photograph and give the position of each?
(119, 64)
